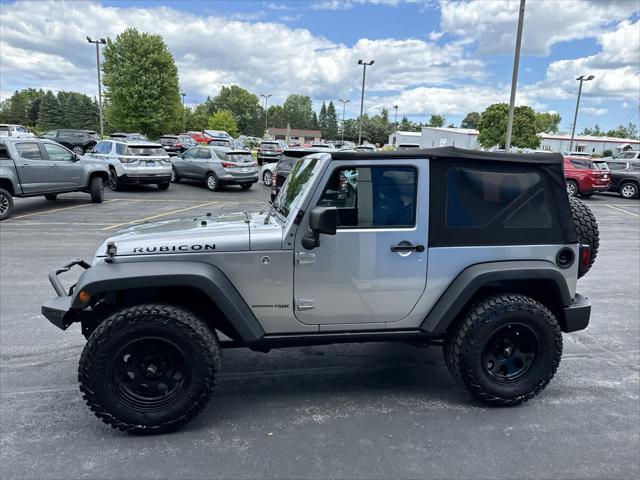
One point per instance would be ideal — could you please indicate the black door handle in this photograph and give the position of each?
(407, 247)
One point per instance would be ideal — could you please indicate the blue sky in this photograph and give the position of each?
(445, 57)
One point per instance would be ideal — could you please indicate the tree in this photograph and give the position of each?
(436, 120)
(276, 117)
(141, 84)
(223, 120)
(621, 131)
(50, 116)
(298, 111)
(406, 125)
(470, 120)
(322, 120)
(493, 127)
(332, 122)
(451, 125)
(547, 122)
(244, 105)
(350, 126)
(595, 131)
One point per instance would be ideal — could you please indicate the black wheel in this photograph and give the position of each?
(78, 150)
(51, 196)
(175, 178)
(629, 190)
(572, 188)
(212, 182)
(246, 186)
(114, 182)
(149, 368)
(505, 350)
(6, 204)
(97, 190)
(267, 178)
(586, 228)
(164, 185)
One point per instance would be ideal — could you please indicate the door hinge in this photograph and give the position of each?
(303, 258)
(305, 304)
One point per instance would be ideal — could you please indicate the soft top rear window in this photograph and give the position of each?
(145, 151)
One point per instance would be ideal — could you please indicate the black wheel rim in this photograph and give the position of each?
(511, 353)
(4, 204)
(149, 374)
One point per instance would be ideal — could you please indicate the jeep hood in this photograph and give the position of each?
(207, 233)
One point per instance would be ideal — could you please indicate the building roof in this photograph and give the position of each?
(462, 131)
(408, 134)
(297, 132)
(588, 138)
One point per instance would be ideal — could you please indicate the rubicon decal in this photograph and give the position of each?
(175, 248)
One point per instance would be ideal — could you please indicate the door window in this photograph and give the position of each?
(372, 197)
(190, 154)
(121, 148)
(58, 153)
(203, 154)
(29, 151)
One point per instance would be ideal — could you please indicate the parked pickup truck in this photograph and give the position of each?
(32, 166)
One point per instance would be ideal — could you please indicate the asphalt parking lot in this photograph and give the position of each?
(343, 411)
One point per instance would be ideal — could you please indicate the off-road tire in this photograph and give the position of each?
(586, 228)
(211, 182)
(267, 178)
(628, 190)
(246, 186)
(572, 188)
(200, 349)
(96, 189)
(464, 346)
(164, 185)
(114, 183)
(6, 204)
(51, 196)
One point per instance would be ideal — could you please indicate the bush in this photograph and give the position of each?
(607, 153)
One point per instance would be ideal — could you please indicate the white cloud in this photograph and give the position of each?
(492, 24)
(347, 4)
(594, 111)
(290, 18)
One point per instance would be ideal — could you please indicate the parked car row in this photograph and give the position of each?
(585, 176)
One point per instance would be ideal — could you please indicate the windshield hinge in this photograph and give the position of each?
(299, 217)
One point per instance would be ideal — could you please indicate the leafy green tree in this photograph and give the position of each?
(622, 131)
(547, 122)
(595, 131)
(244, 105)
(50, 116)
(223, 120)
(322, 120)
(406, 125)
(470, 120)
(350, 126)
(493, 127)
(436, 120)
(315, 124)
(298, 111)
(277, 117)
(141, 84)
(332, 122)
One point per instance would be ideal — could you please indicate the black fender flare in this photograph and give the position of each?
(110, 277)
(474, 277)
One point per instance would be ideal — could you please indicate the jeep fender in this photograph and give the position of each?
(475, 277)
(111, 277)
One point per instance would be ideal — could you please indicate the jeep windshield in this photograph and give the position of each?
(295, 185)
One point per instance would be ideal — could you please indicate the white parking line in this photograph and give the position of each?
(623, 211)
(110, 227)
(56, 210)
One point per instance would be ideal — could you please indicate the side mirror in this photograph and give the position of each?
(321, 220)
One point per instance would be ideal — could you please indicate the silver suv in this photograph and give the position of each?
(479, 252)
(216, 166)
(134, 162)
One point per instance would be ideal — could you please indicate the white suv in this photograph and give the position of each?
(134, 162)
(15, 131)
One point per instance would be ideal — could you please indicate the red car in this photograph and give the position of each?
(586, 176)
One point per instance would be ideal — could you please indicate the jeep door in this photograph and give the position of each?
(34, 168)
(374, 269)
(66, 170)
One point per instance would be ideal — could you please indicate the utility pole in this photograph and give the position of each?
(99, 42)
(344, 106)
(184, 113)
(364, 75)
(514, 78)
(395, 121)
(581, 79)
(266, 111)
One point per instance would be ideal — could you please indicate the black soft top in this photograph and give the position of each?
(455, 153)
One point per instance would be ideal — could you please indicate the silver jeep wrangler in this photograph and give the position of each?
(478, 252)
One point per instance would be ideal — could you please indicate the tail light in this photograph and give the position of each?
(177, 145)
(127, 159)
(227, 164)
(274, 176)
(585, 257)
(278, 150)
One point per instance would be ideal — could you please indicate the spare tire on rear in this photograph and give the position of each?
(586, 228)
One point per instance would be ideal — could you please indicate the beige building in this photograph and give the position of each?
(294, 134)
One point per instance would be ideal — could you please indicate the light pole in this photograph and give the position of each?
(266, 112)
(514, 78)
(98, 42)
(364, 75)
(581, 78)
(395, 107)
(344, 106)
(184, 113)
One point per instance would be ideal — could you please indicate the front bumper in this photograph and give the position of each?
(58, 310)
(576, 315)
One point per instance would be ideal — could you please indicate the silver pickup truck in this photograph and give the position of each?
(30, 167)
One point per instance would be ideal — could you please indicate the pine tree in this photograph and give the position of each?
(50, 112)
(332, 122)
(322, 120)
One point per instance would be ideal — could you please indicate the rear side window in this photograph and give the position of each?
(120, 148)
(4, 153)
(30, 151)
(476, 198)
